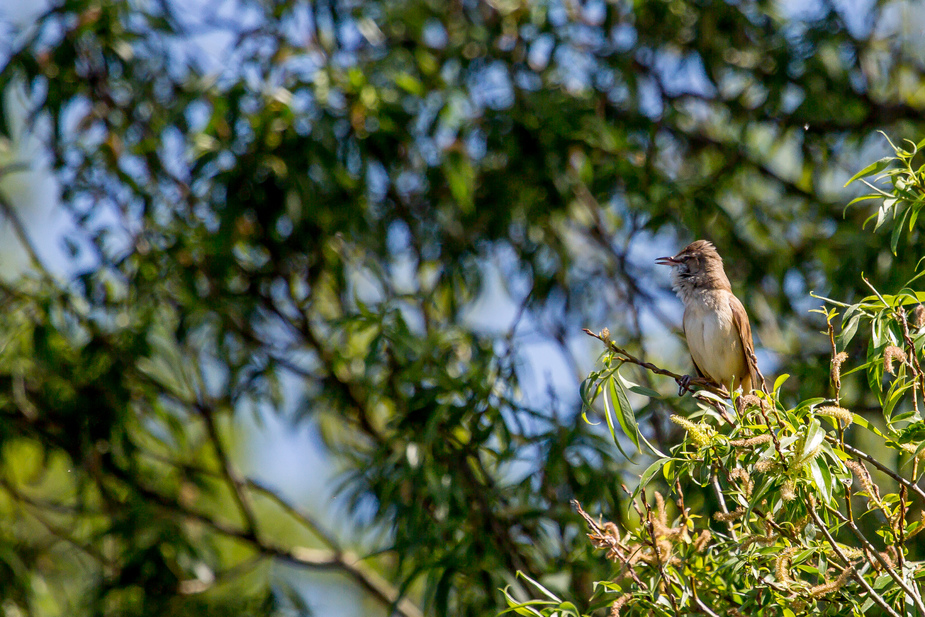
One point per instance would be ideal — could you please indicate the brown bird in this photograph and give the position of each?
(719, 336)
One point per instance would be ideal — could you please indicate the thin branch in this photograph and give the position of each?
(685, 382)
(193, 586)
(347, 561)
(703, 606)
(612, 543)
(876, 597)
(34, 509)
(368, 579)
(858, 453)
(235, 481)
(722, 506)
(334, 557)
(873, 551)
(656, 551)
(20, 230)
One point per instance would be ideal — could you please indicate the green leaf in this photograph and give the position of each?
(864, 423)
(643, 390)
(897, 230)
(539, 587)
(779, 382)
(609, 415)
(821, 478)
(848, 330)
(874, 168)
(814, 436)
(586, 388)
(409, 84)
(646, 477)
(894, 396)
(918, 451)
(625, 415)
(632, 417)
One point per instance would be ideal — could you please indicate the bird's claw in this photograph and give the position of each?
(684, 384)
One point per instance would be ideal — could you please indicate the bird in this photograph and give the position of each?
(719, 336)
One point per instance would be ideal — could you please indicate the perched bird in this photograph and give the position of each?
(719, 336)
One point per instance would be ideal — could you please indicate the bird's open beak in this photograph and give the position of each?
(667, 261)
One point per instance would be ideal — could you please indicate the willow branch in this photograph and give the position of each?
(876, 554)
(612, 543)
(656, 551)
(685, 382)
(876, 597)
(863, 455)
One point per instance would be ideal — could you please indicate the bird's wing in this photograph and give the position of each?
(700, 373)
(740, 319)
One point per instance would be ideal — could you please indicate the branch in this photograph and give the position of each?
(602, 536)
(876, 597)
(873, 551)
(347, 561)
(858, 453)
(230, 474)
(332, 557)
(685, 382)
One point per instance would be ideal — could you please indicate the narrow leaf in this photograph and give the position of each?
(814, 436)
(608, 415)
(874, 168)
(625, 415)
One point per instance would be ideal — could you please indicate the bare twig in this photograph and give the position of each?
(685, 382)
(871, 550)
(612, 543)
(656, 551)
(912, 486)
(876, 597)
(722, 505)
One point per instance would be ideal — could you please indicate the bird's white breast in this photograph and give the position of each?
(713, 338)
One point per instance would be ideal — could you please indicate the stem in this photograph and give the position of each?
(886, 567)
(685, 382)
(722, 505)
(876, 597)
(862, 455)
(650, 528)
(612, 543)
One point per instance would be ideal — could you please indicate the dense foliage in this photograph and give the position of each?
(395, 205)
(799, 524)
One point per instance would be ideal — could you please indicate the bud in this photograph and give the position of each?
(788, 490)
(826, 588)
(782, 565)
(918, 316)
(701, 434)
(843, 415)
(891, 353)
(837, 361)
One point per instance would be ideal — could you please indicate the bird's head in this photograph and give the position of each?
(697, 267)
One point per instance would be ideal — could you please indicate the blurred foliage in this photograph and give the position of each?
(326, 191)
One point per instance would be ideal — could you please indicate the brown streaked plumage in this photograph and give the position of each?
(719, 336)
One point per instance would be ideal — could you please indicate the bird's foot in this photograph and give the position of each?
(684, 384)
